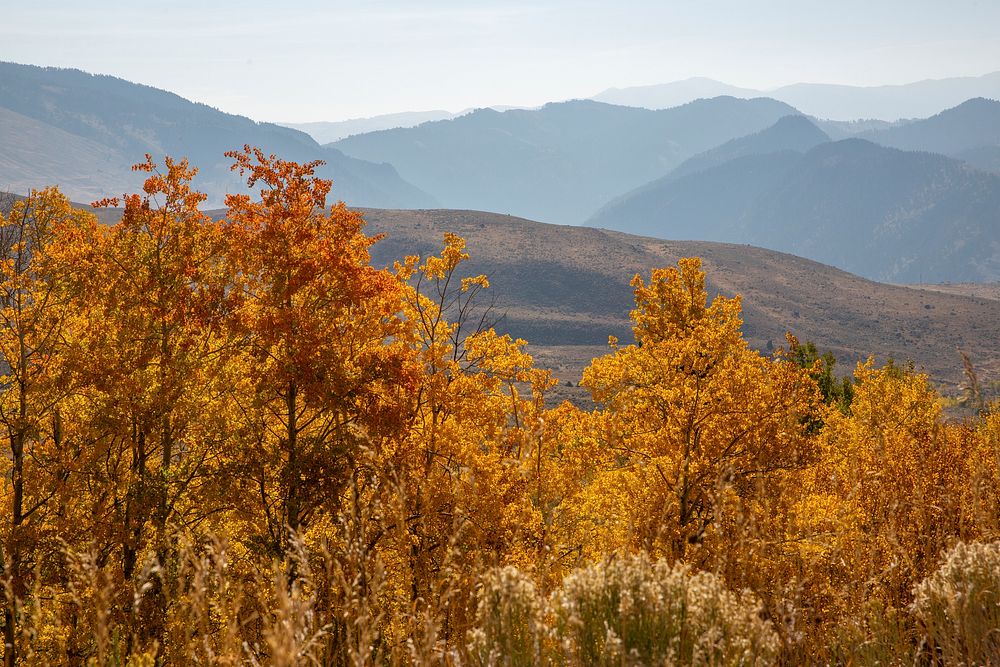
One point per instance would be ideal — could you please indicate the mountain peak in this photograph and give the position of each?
(880, 212)
(974, 105)
(797, 125)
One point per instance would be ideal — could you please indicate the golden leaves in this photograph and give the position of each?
(243, 377)
(691, 409)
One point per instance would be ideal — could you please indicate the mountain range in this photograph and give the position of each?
(84, 131)
(830, 101)
(853, 105)
(326, 132)
(560, 162)
(972, 125)
(875, 211)
(904, 201)
(790, 133)
(690, 172)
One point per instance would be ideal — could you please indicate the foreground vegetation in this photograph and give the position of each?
(236, 441)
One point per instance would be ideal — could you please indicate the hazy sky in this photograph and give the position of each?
(331, 60)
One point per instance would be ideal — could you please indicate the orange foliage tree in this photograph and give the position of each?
(325, 355)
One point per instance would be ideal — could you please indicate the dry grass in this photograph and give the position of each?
(959, 606)
(623, 610)
(631, 610)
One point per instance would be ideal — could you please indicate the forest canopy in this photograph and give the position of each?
(236, 440)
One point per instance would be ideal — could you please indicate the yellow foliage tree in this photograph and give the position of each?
(35, 381)
(886, 495)
(465, 466)
(690, 420)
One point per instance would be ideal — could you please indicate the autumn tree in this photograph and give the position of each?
(152, 363)
(889, 486)
(835, 391)
(689, 416)
(325, 353)
(35, 379)
(465, 466)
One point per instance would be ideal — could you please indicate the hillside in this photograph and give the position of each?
(83, 131)
(972, 125)
(559, 162)
(848, 129)
(878, 212)
(986, 158)
(565, 289)
(34, 154)
(982, 290)
(791, 133)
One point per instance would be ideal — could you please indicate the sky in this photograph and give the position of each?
(299, 61)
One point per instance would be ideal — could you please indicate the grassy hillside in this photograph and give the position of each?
(35, 154)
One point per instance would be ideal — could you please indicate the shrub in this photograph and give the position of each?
(958, 605)
(630, 610)
(510, 620)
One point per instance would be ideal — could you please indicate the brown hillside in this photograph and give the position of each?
(565, 289)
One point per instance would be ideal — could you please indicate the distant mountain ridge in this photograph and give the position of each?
(972, 124)
(878, 212)
(828, 101)
(913, 100)
(790, 133)
(673, 94)
(559, 162)
(127, 120)
(325, 132)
